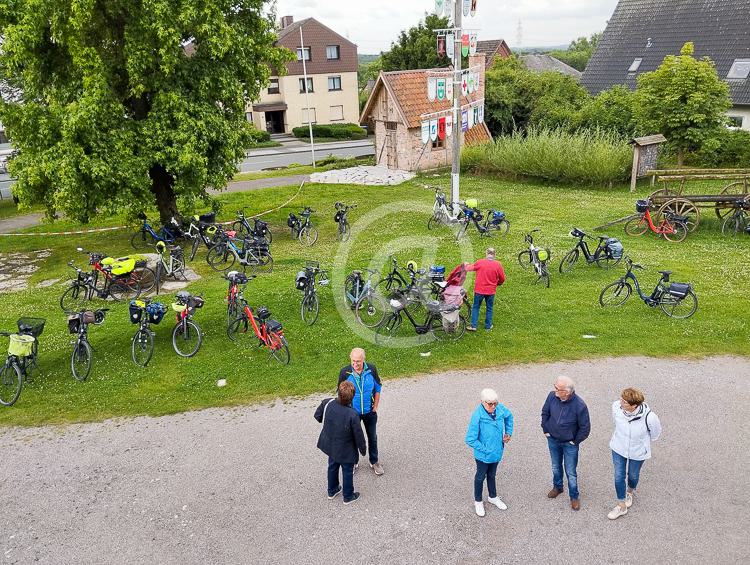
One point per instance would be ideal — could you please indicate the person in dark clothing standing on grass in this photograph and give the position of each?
(340, 439)
(367, 387)
(565, 423)
(490, 275)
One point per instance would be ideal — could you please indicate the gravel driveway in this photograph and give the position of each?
(247, 485)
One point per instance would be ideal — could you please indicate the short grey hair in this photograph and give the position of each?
(567, 382)
(491, 251)
(358, 351)
(488, 395)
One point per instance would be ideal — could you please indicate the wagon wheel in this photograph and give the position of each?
(662, 194)
(723, 209)
(681, 207)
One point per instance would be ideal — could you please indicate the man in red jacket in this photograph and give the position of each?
(490, 275)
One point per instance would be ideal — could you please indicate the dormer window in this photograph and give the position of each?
(740, 69)
(635, 65)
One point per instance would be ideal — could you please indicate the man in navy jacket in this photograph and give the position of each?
(565, 423)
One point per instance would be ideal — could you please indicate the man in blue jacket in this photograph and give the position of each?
(565, 423)
(367, 388)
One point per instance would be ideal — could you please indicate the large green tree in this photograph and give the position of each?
(119, 104)
(684, 99)
(579, 51)
(416, 48)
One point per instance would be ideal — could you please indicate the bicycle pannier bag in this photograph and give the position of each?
(542, 254)
(209, 218)
(337, 216)
(136, 312)
(678, 290)
(291, 220)
(89, 317)
(497, 216)
(273, 325)
(195, 302)
(73, 324)
(20, 345)
(437, 273)
(301, 280)
(641, 206)
(614, 246)
(31, 326)
(156, 312)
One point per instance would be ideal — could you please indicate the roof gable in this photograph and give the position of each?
(294, 27)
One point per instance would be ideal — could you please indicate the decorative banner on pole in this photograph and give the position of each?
(425, 132)
(441, 46)
(464, 44)
(439, 7)
(449, 125)
(476, 115)
(478, 80)
(450, 45)
(449, 89)
(448, 8)
(470, 111)
(441, 89)
(470, 79)
(433, 129)
(467, 7)
(473, 10)
(464, 120)
(441, 128)
(481, 114)
(431, 88)
(473, 44)
(464, 84)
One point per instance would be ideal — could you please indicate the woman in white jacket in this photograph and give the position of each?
(636, 426)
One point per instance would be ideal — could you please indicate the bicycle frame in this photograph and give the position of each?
(420, 329)
(366, 288)
(164, 233)
(585, 250)
(663, 227)
(650, 299)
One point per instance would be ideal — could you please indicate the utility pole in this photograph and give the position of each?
(457, 89)
(307, 94)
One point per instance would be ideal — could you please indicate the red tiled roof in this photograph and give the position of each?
(477, 135)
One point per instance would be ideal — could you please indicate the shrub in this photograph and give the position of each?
(729, 149)
(333, 131)
(592, 157)
(612, 110)
(259, 136)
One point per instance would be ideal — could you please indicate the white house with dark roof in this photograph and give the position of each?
(641, 33)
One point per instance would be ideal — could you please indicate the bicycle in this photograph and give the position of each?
(494, 221)
(251, 253)
(118, 284)
(259, 229)
(186, 335)
(201, 231)
(302, 228)
(23, 349)
(607, 254)
(434, 322)
(736, 222)
(369, 306)
(536, 257)
(78, 325)
(130, 269)
(678, 300)
(147, 235)
(444, 213)
(341, 218)
(269, 332)
(672, 227)
(172, 266)
(144, 312)
(305, 282)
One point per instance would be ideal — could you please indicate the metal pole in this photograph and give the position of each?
(457, 129)
(307, 95)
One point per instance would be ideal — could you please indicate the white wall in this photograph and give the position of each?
(744, 113)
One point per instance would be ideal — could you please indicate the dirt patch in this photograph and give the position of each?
(16, 269)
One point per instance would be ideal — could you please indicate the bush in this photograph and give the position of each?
(258, 136)
(333, 131)
(592, 157)
(612, 110)
(729, 149)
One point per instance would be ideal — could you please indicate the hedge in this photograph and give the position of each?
(333, 131)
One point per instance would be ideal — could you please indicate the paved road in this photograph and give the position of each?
(247, 485)
(283, 156)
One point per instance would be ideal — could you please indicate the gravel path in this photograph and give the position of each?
(247, 485)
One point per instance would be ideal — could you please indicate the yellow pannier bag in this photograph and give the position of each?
(21, 345)
(123, 266)
(472, 202)
(177, 307)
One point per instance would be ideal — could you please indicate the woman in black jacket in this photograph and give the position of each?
(340, 439)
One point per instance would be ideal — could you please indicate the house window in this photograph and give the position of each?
(273, 86)
(333, 52)
(740, 69)
(438, 144)
(736, 122)
(306, 52)
(391, 126)
(309, 85)
(308, 112)
(635, 66)
(337, 113)
(249, 117)
(334, 83)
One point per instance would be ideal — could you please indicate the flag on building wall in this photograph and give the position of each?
(431, 88)
(449, 125)
(441, 128)
(441, 89)
(433, 129)
(425, 132)
(467, 7)
(465, 44)
(449, 89)
(464, 84)
(473, 44)
(450, 45)
(441, 46)
(464, 120)
(439, 7)
(473, 10)
(470, 81)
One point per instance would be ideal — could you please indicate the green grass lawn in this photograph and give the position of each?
(304, 169)
(531, 323)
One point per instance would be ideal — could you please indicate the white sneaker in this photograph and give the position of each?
(356, 466)
(616, 512)
(479, 507)
(628, 500)
(497, 502)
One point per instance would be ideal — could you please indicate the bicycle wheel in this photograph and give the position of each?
(680, 308)
(268, 235)
(146, 277)
(678, 232)
(370, 309)
(194, 248)
(636, 226)
(569, 261)
(73, 299)
(187, 338)
(308, 236)
(240, 228)
(178, 269)
(524, 259)
(543, 277)
(385, 287)
(434, 222)
(606, 261)
(238, 328)
(142, 347)
(438, 329)
(124, 290)
(220, 258)
(615, 294)
(733, 225)
(388, 329)
(80, 360)
(501, 228)
(279, 348)
(344, 232)
(140, 240)
(265, 262)
(310, 309)
(353, 286)
(11, 383)
(462, 230)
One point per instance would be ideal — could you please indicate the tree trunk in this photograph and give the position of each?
(680, 156)
(162, 187)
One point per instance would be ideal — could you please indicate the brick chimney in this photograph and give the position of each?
(479, 60)
(286, 21)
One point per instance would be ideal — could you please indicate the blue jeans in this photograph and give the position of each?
(347, 472)
(490, 303)
(633, 473)
(564, 453)
(487, 470)
(370, 420)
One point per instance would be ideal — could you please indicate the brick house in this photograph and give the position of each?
(396, 105)
(331, 61)
(493, 49)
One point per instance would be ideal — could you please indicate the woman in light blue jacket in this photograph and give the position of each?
(490, 428)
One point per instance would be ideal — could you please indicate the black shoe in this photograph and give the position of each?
(352, 499)
(335, 494)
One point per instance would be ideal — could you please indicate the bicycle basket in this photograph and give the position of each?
(209, 218)
(679, 290)
(156, 312)
(89, 317)
(21, 345)
(177, 307)
(301, 281)
(291, 220)
(273, 325)
(263, 313)
(74, 324)
(641, 206)
(31, 326)
(136, 312)
(471, 202)
(614, 247)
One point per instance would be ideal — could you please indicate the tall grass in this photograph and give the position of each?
(591, 157)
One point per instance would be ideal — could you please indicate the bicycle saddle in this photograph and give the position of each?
(666, 273)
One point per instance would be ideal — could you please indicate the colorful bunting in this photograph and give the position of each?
(439, 6)
(449, 125)
(464, 120)
(464, 44)
(473, 10)
(473, 44)
(425, 132)
(464, 84)
(431, 88)
(449, 89)
(481, 114)
(441, 89)
(441, 46)
(441, 128)
(433, 129)
(467, 7)
(450, 45)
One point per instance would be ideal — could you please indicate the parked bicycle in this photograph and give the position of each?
(444, 212)
(144, 313)
(130, 269)
(494, 221)
(269, 332)
(251, 252)
(341, 218)
(736, 222)
(305, 282)
(146, 235)
(671, 227)
(78, 325)
(118, 284)
(607, 254)
(676, 300)
(302, 228)
(537, 258)
(202, 229)
(187, 336)
(170, 264)
(369, 306)
(435, 322)
(258, 229)
(23, 349)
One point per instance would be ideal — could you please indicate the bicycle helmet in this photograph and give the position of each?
(263, 313)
